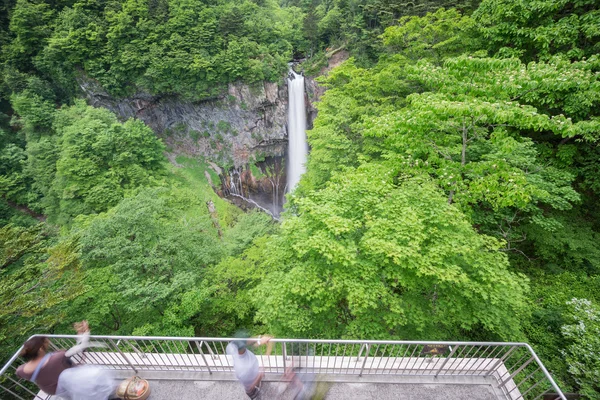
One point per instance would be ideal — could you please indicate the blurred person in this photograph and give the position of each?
(41, 367)
(245, 363)
(54, 372)
(303, 385)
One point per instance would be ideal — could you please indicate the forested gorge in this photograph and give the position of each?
(452, 188)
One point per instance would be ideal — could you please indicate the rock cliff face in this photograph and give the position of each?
(244, 130)
(246, 124)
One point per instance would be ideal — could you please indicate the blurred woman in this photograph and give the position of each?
(43, 368)
(56, 374)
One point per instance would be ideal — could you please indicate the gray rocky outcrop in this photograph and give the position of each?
(246, 124)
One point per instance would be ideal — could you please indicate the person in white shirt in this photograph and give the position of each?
(245, 363)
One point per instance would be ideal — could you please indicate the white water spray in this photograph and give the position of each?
(297, 146)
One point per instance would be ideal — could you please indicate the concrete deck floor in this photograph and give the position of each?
(200, 390)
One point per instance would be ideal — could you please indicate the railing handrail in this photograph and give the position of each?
(114, 339)
(545, 371)
(287, 340)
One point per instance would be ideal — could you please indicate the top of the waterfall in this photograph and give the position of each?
(293, 74)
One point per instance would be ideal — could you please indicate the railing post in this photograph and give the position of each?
(361, 350)
(284, 352)
(199, 346)
(366, 356)
(123, 355)
(446, 360)
(212, 354)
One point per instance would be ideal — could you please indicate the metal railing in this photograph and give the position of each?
(513, 369)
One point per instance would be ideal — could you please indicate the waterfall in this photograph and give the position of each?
(297, 146)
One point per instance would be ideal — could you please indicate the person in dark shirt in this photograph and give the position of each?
(54, 373)
(49, 366)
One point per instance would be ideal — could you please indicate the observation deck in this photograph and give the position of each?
(198, 368)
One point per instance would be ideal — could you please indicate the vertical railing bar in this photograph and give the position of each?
(446, 360)
(365, 360)
(357, 359)
(501, 360)
(124, 356)
(521, 368)
(403, 358)
(471, 365)
(343, 358)
(192, 357)
(360, 351)
(517, 363)
(387, 359)
(100, 357)
(408, 368)
(114, 361)
(170, 355)
(199, 347)
(431, 363)
(465, 354)
(91, 355)
(191, 366)
(515, 355)
(62, 344)
(321, 360)
(328, 358)
(126, 341)
(306, 364)
(215, 356)
(276, 346)
(335, 357)
(177, 357)
(526, 378)
(21, 385)
(183, 355)
(380, 357)
(481, 359)
(472, 361)
(163, 355)
(156, 355)
(13, 393)
(533, 387)
(229, 367)
(284, 353)
(472, 354)
(393, 358)
(269, 362)
(456, 359)
(314, 358)
(497, 350)
(53, 346)
(422, 362)
(173, 354)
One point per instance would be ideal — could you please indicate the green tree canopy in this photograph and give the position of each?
(385, 255)
(538, 29)
(100, 159)
(143, 255)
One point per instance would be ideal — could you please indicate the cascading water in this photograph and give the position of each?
(297, 146)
